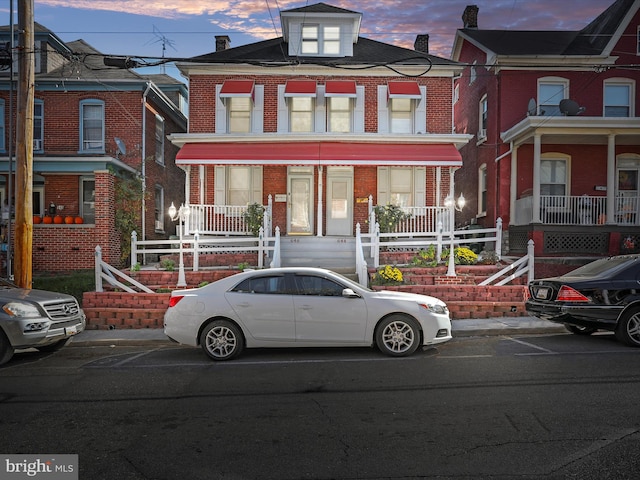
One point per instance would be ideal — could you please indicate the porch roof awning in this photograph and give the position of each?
(300, 88)
(318, 153)
(340, 88)
(237, 88)
(406, 89)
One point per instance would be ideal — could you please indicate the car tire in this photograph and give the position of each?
(398, 336)
(222, 340)
(628, 329)
(578, 330)
(6, 350)
(54, 347)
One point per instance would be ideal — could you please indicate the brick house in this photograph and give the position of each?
(556, 152)
(318, 120)
(93, 126)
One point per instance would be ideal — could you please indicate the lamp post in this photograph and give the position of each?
(180, 214)
(453, 205)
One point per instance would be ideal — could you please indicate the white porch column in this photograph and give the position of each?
(537, 152)
(187, 184)
(438, 185)
(202, 175)
(611, 179)
(513, 186)
(320, 192)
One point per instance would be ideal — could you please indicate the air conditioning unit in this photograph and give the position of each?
(37, 144)
(159, 225)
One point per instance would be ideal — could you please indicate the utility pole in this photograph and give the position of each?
(24, 146)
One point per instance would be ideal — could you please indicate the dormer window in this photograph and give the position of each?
(320, 40)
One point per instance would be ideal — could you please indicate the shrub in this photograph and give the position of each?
(461, 256)
(253, 217)
(488, 257)
(389, 216)
(426, 258)
(168, 265)
(387, 276)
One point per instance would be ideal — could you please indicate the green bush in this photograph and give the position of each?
(74, 283)
(254, 216)
(426, 258)
(389, 216)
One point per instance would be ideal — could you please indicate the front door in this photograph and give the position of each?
(628, 191)
(300, 201)
(340, 201)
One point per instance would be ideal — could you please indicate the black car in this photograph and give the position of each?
(602, 295)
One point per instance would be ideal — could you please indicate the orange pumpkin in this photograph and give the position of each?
(57, 219)
(37, 219)
(47, 219)
(69, 220)
(79, 220)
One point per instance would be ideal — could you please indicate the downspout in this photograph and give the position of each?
(144, 159)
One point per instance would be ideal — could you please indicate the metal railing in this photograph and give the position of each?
(588, 210)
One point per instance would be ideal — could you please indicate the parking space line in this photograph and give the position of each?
(135, 357)
(545, 351)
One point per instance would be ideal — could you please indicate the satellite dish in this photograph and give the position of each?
(532, 108)
(122, 149)
(570, 107)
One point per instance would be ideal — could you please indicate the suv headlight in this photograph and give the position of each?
(22, 310)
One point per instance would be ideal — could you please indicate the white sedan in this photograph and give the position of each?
(302, 307)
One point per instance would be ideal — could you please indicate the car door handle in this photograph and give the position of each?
(306, 307)
(245, 304)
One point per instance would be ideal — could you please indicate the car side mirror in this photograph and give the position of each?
(347, 292)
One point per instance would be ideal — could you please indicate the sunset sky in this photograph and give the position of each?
(187, 27)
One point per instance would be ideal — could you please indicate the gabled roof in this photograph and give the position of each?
(591, 40)
(319, 8)
(365, 52)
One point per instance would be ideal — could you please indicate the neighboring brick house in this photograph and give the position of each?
(92, 125)
(319, 120)
(556, 152)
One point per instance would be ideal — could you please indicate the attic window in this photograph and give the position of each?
(320, 40)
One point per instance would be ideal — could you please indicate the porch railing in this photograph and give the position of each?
(224, 219)
(418, 219)
(578, 210)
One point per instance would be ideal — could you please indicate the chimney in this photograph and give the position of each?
(222, 42)
(421, 44)
(470, 16)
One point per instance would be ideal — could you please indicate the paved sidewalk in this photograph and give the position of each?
(461, 328)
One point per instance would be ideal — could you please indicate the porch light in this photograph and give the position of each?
(180, 214)
(453, 206)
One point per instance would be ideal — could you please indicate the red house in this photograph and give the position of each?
(95, 127)
(556, 148)
(319, 121)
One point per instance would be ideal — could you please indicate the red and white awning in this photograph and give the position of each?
(300, 88)
(237, 88)
(406, 89)
(340, 88)
(319, 153)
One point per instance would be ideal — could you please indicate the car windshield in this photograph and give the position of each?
(603, 267)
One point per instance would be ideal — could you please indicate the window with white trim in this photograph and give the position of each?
(401, 186)
(310, 39)
(239, 112)
(550, 93)
(340, 114)
(159, 134)
(482, 118)
(38, 125)
(553, 177)
(482, 190)
(301, 113)
(92, 126)
(88, 199)
(243, 185)
(331, 40)
(159, 208)
(618, 98)
(320, 40)
(401, 115)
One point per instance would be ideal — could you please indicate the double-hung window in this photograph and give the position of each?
(340, 114)
(482, 119)
(159, 208)
(301, 114)
(320, 40)
(2, 128)
(38, 126)
(239, 107)
(239, 110)
(482, 190)
(618, 99)
(553, 177)
(550, 93)
(92, 126)
(310, 39)
(159, 133)
(402, 186)
(402, 107)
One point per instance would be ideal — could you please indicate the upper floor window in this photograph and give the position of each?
(92, 126)
(482, 119)
(2, 129)
(301, 114)
(402, 108)
(239, 107)
(638, 42)
(550, 93)
(618, 99)
(340, 112)
(320, 40)
(38, 125)
(159, 133)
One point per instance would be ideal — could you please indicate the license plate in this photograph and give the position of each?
(542, 293)
(71, 330)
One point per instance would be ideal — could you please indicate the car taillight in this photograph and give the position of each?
(173, 301)
(568, 294)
